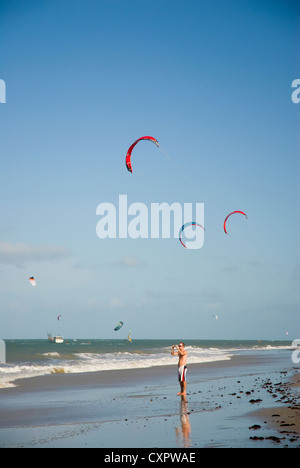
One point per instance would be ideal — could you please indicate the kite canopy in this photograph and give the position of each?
(32, 281)
(120, 325)
(128, 156)
(58, 318)
(233, 212)
(192, 223)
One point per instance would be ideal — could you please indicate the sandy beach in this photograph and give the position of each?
(229, 404)
(285, 419)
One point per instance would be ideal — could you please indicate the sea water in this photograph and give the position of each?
(31, 358)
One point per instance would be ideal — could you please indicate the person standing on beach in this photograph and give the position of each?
(182, 368)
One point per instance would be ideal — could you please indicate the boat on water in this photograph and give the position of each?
(55, 339)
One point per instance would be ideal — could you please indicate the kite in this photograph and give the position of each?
(241, 212)
(32, 281)
(128, 156)
(192, 223)
(58, 318)
(120, 325)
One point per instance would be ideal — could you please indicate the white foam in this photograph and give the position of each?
(93, 362)
(51, 354)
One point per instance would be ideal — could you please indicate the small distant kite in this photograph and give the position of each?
(128, 156)
(183, 228)
(32, 281)
(120, 325)
(58, 317)
(233, 212)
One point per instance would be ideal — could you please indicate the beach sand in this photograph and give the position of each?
(226, 402)
(285, 419)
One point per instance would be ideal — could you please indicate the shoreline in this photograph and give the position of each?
(140, 407)
(114, 377)
(284, 419)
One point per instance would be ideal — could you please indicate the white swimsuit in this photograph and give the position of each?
(182, 370)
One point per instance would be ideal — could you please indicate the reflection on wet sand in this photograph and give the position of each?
(183, 432)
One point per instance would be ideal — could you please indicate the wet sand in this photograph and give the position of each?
(284, 419)
(140, 407)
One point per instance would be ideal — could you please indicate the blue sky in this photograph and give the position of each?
(211, 80)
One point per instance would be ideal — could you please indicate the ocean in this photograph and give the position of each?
(31, 358)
